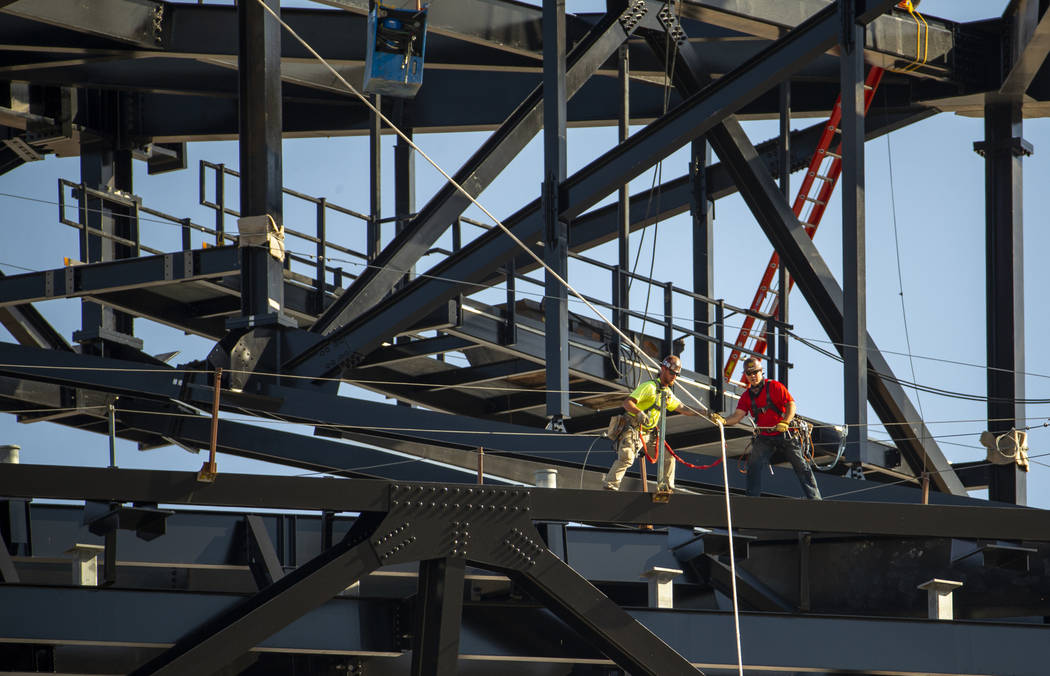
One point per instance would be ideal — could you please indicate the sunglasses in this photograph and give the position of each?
(753, 372)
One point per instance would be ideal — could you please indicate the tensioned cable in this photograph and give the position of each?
(900, 286)
(732, 554)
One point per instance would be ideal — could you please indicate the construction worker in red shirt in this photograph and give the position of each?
(773, 408)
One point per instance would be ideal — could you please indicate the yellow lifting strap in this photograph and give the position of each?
(922, 47)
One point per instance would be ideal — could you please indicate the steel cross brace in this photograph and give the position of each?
(477, 173)
(809, 271)
(483, 258)
(488, 527)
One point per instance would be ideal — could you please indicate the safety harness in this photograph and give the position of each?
(798, 428)
(770, 405)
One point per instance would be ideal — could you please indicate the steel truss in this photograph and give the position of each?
(478, 558)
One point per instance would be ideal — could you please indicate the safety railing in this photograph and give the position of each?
(296, 239)
(667, 322)
(116, 205)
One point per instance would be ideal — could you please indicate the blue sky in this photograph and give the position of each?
(934, 236)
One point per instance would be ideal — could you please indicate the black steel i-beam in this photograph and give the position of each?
(621, 289)
(259, 106)
(438, 614)
(783, 281)
(237, 629)
(556, 239)
(854, 296)
(1003, 149)
(702, 209)
(105, 168)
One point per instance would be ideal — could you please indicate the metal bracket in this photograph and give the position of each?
(1017, 146)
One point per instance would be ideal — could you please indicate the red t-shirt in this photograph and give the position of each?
(768, 418)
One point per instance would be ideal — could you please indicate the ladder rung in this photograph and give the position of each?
(814, 201)
(833, 154)
(824, 178)
(868, 86)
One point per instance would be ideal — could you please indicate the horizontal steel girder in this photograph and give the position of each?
(296, 450)
(357, 495)
(137, 23)
(414, 431)
(290, 404)
(889, 42)
(853, 644)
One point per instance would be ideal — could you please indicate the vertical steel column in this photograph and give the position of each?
(621, 288)
(854, 302)
(784, 164)
(702, 210)
(259, 88)
(556, 248)
(1003, 149)
(375, 126)
(404, 175)
(439, 608)
(404, 189)
(106, 169)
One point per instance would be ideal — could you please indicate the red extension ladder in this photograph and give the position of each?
(815, 191)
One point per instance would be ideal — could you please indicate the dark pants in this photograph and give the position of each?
(762, 448)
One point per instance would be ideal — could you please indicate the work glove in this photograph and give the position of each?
(643, 419)
(781, 427)
(717, 419)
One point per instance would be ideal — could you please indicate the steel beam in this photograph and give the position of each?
(341, 626)
(259, 105)
(600, 225)
(561, 504)
(137, 23)
(819, 286)
(484, 256)
(556, 235)
(295, 450)
(824, 296)
(439, 610)
(702, 110)
(702, 209)
(890, 42)
(474, 176)
(1028, 46)
(621, 295)
(424, 347)
(26, 325)
(112, 276)
(854, 252)
(262, 557)
(8, 574)
(234, 631)
(633, 646)
(106, 168)
(1003, 149)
